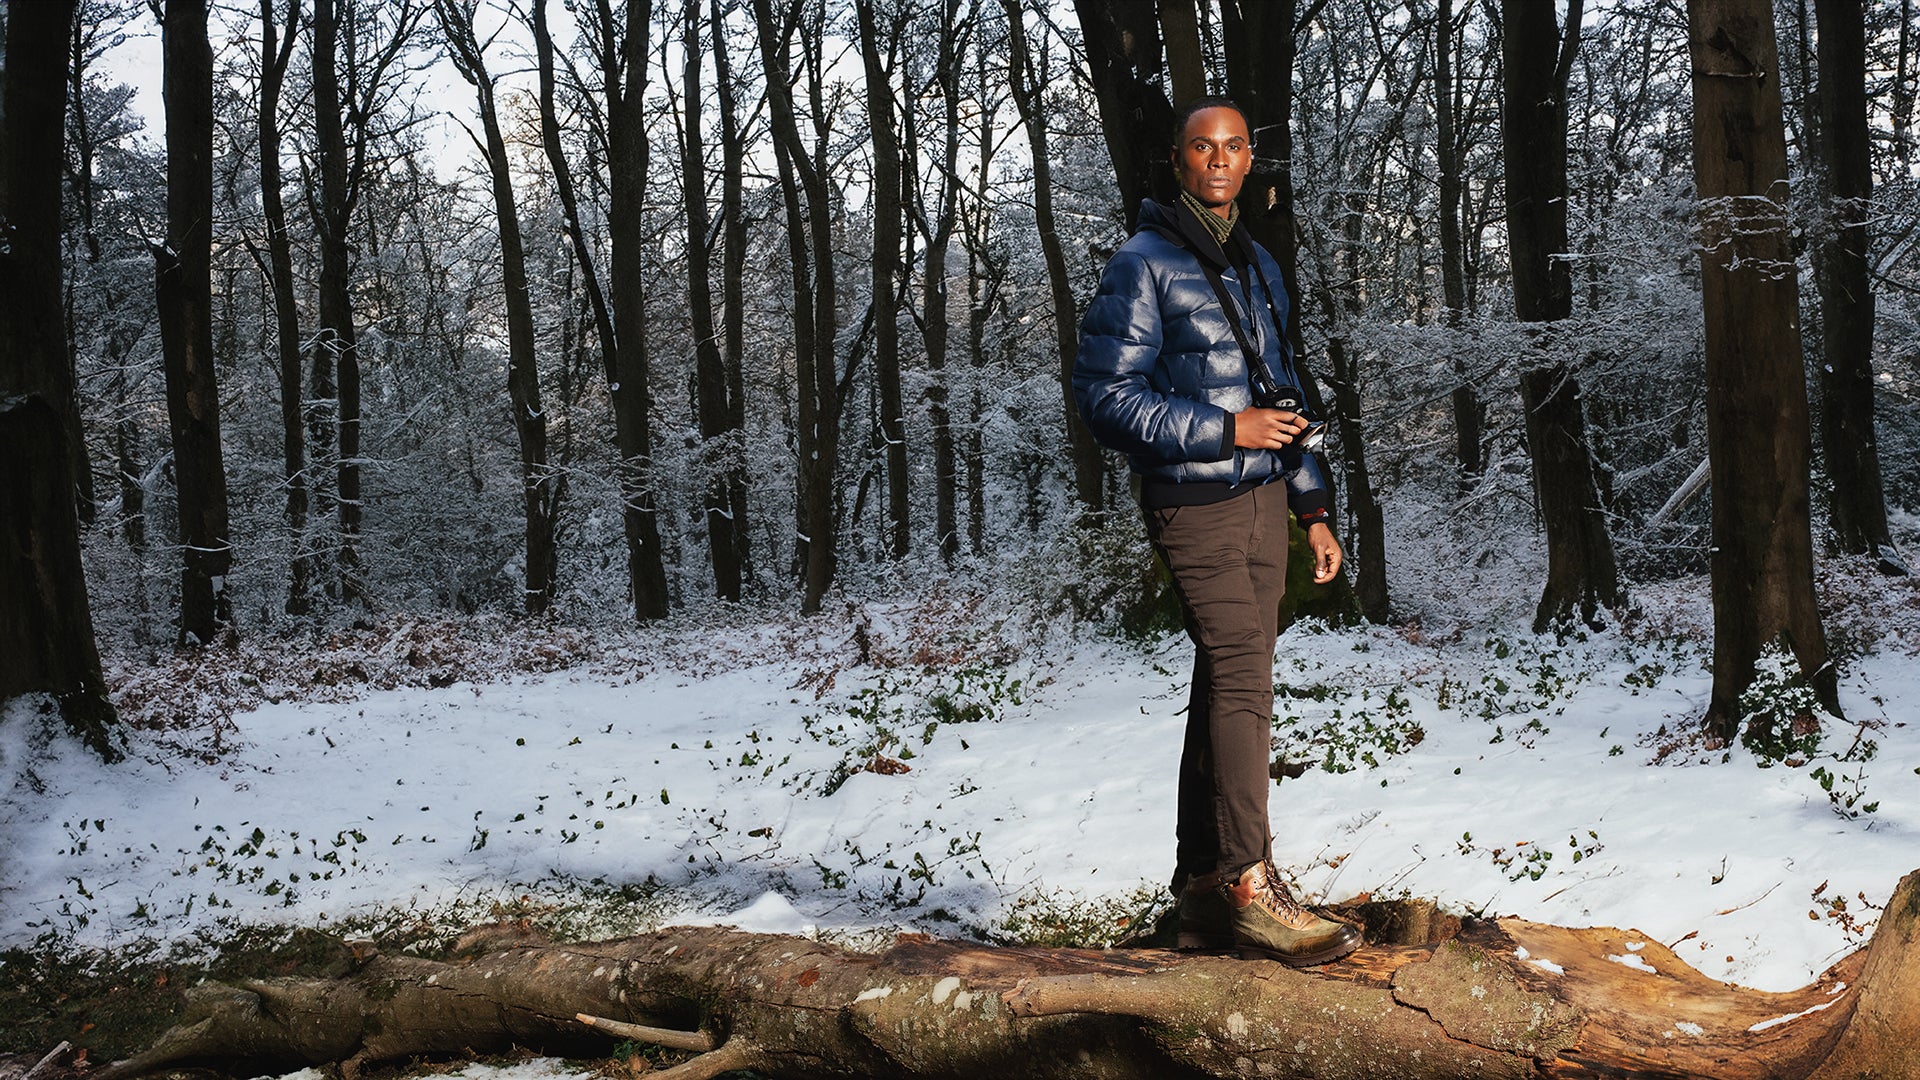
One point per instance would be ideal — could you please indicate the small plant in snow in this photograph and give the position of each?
(1067, 920)
(1780, 712)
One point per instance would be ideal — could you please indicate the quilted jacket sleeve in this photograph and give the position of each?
(1121, 388)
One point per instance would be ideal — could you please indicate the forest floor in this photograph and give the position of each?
(928, 763)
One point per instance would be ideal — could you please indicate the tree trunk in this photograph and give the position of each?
(1123, 57)
(286, 309)
(336, 367)
(1502, 999)
(1537, 61)
(83, 41)
(184, 283)
(46, 622)
(934, 312)
(627, 161)
(540, 486)
(733, 269)
(710, 374)
(1469, 412)
(1758, 436)
(1186, 60)
(985, 273)
(810, 247)
(1842, 269)
(1083, 453)
(886, 266)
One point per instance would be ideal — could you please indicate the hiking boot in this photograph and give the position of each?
(1268, 924)
(1205, 916)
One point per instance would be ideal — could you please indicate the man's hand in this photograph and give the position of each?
(1326, 552)
(1266, 429)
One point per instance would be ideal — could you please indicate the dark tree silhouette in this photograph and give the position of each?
(184, 282)
(1537, 59)
(46, 623)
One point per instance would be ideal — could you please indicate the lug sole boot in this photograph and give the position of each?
(1268, 924)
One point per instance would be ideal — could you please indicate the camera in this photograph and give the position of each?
(1272, 396)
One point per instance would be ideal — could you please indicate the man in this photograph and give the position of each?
(1187, 327)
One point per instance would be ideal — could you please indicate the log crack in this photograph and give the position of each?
(1476, 999)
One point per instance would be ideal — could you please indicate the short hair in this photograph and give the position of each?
(1201, 104)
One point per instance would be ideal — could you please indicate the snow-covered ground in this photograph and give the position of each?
(767, 777)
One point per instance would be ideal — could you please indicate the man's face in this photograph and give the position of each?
(1214, 157)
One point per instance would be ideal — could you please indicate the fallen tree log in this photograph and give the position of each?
(1505, 998)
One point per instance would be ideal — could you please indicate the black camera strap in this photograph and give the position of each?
(1261, 376)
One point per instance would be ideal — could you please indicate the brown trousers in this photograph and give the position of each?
(1229, 567)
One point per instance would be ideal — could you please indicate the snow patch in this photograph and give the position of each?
(1778, 1020)
(1633, 961)
(874, 994)
(944, 989)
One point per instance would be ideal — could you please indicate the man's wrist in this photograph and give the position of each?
(1316, 516)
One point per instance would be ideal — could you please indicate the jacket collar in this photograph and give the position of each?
(1178, 226)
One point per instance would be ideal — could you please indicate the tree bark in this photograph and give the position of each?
(939, 215)
(985, 274)
(815, 293)
(625, 74)
(885, 138)
(335, 386)
(184, 281)
(1758, 433)
(1083, 453)
(286, 309)
(46, 622)
(541, 488)
(1122, 40)
(733, 273)
(710, 373)
(1842, 270)
(1502, 999)
(1186, 61)
(1469, 412)
(1537, 60)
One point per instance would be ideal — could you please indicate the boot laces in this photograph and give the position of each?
(1275, 897)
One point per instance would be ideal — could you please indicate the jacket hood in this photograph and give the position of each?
(1177, 225)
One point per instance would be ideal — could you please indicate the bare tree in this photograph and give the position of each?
(986, 274)
(711, 387)
(885, 137)
(279, 269)
(541, 488)
(46, 623)
(1537, 60)
(1758, 434)
(1453, 141)
(936, 213)
(733, 274)
(370, 39)
(184, 285)
(1844, 274)
(1029, 97)
(623, 53)
(1122, 39)
(810, 234)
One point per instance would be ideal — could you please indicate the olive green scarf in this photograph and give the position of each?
(1220, 227)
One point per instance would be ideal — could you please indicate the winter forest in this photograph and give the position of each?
(640, 433)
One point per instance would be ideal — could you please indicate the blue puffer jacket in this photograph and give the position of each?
(1159, 374)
